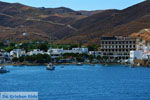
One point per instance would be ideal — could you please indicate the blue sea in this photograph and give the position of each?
(72, 82)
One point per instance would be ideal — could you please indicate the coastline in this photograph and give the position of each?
(45, 64)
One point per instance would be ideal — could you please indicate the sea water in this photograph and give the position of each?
(74, 82)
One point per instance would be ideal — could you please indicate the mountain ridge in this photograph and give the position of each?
(64, 25)
(112, 22)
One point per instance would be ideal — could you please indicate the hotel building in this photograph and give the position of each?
(117, 47)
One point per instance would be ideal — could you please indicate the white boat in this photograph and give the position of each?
(138, 64)
(50, 66)
(80, 64)
(3, 70)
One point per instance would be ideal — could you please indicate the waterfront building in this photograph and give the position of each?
(35, 52)
(135, 55)
(72, 51)
(95, 53)
(55, 53)
(146, 55)
(81, 50)
(117, 47)
(17, 53)
(142, 51)
(142, 54)
(77, 50)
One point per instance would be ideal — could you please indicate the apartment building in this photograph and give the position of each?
(117, 47)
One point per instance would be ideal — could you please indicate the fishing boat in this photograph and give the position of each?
(79, 64)
(50, 66)
(3, 70)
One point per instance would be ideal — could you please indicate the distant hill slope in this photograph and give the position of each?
(143, 34)
(112, 22)
(90, 13)
(39, 23)
(64, 25)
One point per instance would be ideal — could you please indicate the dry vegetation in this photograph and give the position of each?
(144, 34)
(65, 25)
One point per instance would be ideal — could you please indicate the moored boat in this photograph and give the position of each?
(79, 63)
(50, 66)
(3, 70)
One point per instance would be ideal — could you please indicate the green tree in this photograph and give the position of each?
(30, 58)
(91, 57)
(21, 59)
(92, 47)
(9, 48)
(80, 59)
(1, 44)
(43, 47)
(15, 59)
(40, 58)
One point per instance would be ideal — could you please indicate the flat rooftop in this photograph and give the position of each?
(116, 38)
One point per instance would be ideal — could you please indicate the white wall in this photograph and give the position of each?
(136, 54)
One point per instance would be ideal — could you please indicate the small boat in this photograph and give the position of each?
(50, 66)
(3, 70)
(80, 64)
(138, 64)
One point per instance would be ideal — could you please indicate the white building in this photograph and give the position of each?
(95, 53)
(35, 52)
(146, 48)
(82, 50)
(77, 50)
(146, 55)
(143, 53)
(55, 53)
(71, 51)
(17, 53)
(135, 55)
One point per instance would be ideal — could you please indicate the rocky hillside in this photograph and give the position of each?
(90, 13)
(143, 34)
(64, 25)
(39, 23)
(112, 22)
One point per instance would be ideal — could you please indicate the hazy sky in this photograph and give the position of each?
(79, 4)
